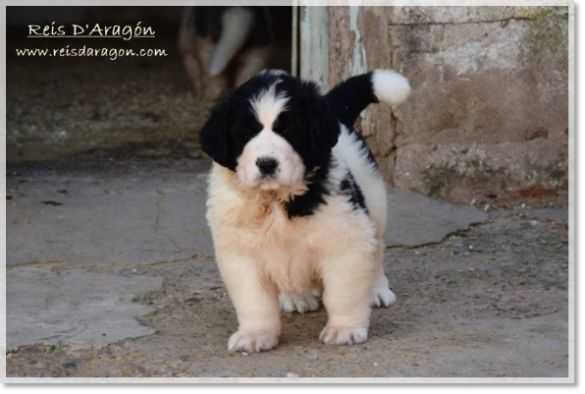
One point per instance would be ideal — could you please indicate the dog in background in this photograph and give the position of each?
(223, 47)
(297, 205)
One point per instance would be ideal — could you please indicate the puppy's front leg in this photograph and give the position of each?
(347, 280)
(256, 304)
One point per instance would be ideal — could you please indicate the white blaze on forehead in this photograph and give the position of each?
(268, 105)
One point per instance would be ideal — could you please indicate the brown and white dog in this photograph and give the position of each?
(297, 204)
(223, 47)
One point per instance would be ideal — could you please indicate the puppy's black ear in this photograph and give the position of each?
(323, 122)
(214, 134)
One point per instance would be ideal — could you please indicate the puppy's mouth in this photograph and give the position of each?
(263, 177)
(268, 182)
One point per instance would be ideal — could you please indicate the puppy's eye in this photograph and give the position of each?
(246, 132)
(287, 130)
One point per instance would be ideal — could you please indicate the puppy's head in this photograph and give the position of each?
(272, 131)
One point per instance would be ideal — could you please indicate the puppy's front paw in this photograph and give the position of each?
(252, 341)
(343, 335)
(382, 297)
(298, 302)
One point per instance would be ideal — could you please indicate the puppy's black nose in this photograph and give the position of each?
(267, 165)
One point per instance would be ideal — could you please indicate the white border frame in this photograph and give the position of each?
(572, 189)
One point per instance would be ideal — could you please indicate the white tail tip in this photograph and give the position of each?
(390, 87)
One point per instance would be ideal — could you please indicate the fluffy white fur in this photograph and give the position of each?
(269, 262)
(390, 87)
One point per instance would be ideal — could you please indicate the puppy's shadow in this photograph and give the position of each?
(384, 322)
(303, 329)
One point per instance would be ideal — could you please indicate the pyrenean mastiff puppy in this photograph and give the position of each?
(297, 204)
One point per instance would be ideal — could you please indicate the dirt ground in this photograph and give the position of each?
(491, 301)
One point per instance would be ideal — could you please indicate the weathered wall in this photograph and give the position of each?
(489, 109)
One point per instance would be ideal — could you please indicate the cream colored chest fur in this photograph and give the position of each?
(288, 253)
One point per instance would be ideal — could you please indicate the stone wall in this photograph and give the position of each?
(489, 109)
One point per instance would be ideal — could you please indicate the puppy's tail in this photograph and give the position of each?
(236, 24)
(352, 96)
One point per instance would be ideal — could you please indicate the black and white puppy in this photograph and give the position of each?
(297, 205)
(223, 47)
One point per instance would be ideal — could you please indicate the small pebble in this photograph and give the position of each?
(291, 375)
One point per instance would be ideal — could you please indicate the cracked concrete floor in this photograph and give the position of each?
(111, 273)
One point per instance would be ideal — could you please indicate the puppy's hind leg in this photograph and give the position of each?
(382, 296)
(301, 302)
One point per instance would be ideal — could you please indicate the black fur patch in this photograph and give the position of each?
(349, 187)
(308, 203)
(351, 97)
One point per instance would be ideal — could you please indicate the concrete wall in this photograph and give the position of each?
(489, 109)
